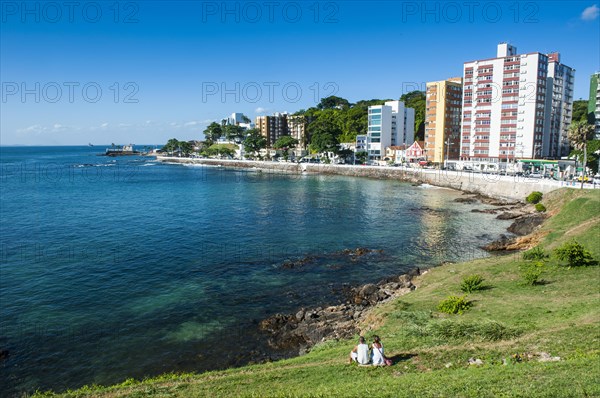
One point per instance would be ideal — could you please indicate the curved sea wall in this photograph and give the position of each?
(502, 187)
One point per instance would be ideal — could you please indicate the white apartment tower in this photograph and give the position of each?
(390, 124)
(516, 106)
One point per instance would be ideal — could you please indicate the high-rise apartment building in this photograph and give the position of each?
(516, 106)
(297, 128)
(272, 127)
(280, 124)
(559, 108)
(594, 103)
(442, 120)
(390, 124)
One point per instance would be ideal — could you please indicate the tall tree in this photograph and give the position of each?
(580, 110)
(234, 133)
(333, 102)
(284, 143)
(170, 146)
(213, 132)
(254, 141)
(580, 132)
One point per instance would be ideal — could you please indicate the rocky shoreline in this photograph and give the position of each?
(307, 327)
(300, 331)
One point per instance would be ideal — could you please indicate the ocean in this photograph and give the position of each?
(124, 267)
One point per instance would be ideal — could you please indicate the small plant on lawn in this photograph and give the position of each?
(531, 272)
(472, 283)
(454, 305)
(534, 197)
(575, 254)
(540, 208)
(537, 253)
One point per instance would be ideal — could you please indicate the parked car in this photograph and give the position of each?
(534, 175)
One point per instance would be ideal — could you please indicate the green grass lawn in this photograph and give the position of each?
(559, 316)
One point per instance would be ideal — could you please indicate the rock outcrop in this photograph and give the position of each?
(307, 327)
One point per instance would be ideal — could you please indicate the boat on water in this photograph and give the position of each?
(122, 150)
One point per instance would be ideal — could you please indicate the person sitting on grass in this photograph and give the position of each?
(377, 356)
(360, 353)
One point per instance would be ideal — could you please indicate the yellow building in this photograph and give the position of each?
(442, 120)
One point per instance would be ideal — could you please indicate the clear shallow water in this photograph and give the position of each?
(124, 267)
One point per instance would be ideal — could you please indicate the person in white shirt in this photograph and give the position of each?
(360, 353)
(377, 352)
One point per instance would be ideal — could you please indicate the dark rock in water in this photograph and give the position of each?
(500, 244)
(289, 264)
(508, 215)
(359, 251)
(488, 211)
(3, 354)
(526, 224)
(466, 200)
(307, 327)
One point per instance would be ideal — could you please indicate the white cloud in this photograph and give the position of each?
(104, 125)
(590, 13)
(260, 109)
(192, 123)
(36, 129)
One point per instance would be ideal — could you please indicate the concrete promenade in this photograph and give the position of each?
(493, 185)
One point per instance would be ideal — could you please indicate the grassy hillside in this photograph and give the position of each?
(509, 326)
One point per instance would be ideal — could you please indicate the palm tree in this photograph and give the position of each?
(579, 134)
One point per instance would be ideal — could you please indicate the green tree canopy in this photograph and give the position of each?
(285, 142)
(580, 110)
(219, 150)
(323, 141)
(213, 132)
(174, 145)
(333, 102)
(234, 133)
(580, 132)
(416, 100)
(254, 141)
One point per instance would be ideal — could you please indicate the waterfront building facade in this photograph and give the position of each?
(272, 127)
(515, 106)
(280, 124)
(416, 152)
(390, 124)
(442, 120)
(238, 119)
(361, 143)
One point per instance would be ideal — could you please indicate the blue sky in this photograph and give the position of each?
(144, 72)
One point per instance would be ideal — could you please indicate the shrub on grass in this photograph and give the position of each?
(540, 208)
(472, 283)
(534, 197)
(454, 305)
(537, 253)
(483, 331)
(531, 272)
(575, 254)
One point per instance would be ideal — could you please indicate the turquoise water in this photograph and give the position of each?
(123, 267)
